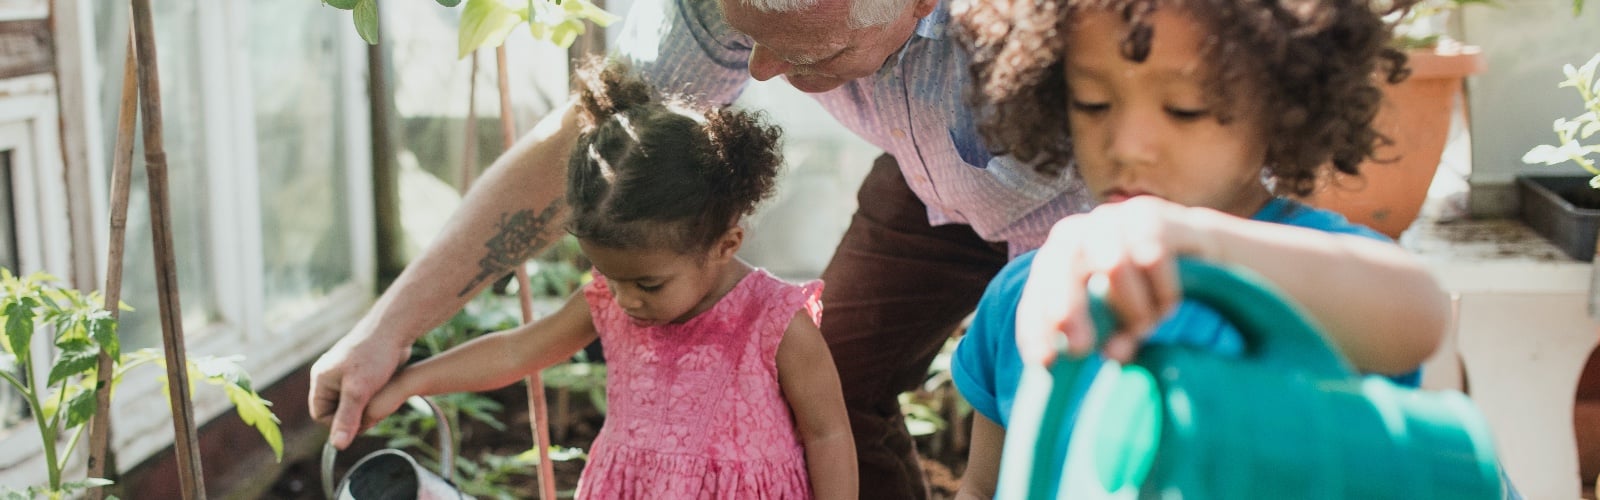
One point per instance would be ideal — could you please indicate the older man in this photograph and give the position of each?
(938, 215)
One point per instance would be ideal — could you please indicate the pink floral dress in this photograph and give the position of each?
(694, 409)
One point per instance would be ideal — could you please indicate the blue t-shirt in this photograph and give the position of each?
(987, 367)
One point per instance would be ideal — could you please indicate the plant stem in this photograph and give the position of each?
(47, 434)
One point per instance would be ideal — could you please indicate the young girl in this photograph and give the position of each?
(720, 385)
(1187, 119)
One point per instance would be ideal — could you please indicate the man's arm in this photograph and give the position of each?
(513, 212)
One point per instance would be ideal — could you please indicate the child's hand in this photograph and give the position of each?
(385, 402)
(1133, 244)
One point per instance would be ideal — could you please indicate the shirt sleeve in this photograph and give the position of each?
(986, 365)
(686, 47)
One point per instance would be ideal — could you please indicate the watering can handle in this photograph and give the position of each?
(447, 452)
(1274, 329)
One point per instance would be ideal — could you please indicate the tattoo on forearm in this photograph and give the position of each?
(521, 234)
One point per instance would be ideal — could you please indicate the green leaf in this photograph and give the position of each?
(77, 357)
(80, 408)
(365, 16)
(449, 3)
(485, 23)
(19, 325)
(341, 4)
(254, 412)
(93, 482)
(10, 494)
(223, 370)
(103, 329)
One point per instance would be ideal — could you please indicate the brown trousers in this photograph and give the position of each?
(896, 289)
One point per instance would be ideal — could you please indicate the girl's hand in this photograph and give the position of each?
(385, 402)
(1132, 244)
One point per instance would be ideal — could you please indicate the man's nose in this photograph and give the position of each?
(764, 64)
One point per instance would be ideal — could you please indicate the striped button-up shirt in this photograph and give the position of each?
(912, 107)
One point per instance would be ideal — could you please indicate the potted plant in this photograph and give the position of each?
(1566, 209)
(59, 392)
(1416, 116)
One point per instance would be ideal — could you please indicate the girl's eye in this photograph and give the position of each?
(650, 288)
(1089, 107)
(1183, 114)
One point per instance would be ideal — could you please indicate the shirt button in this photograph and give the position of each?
(898, 133)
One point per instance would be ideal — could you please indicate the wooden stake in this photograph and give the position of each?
(536, 403)
(121, 173)
(187, 447)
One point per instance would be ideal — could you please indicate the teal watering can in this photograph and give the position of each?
(1287, 419)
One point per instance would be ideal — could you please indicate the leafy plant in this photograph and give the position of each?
(61, 402)
(485, 23)
(1572, 132)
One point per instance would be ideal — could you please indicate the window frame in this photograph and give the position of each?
(141, 413)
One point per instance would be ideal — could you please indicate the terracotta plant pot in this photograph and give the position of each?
(1416, 116)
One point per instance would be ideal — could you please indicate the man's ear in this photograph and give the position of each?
(728, 244)
(924, 7)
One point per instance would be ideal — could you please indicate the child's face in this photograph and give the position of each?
(1147, 128)
(657, 286)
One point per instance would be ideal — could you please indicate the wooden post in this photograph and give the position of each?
(121, 173)
(536, 403)
(187, 447)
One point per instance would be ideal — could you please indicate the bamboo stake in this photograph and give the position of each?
(185, 444)
(469, 144)
(536, 403)
(121, 173)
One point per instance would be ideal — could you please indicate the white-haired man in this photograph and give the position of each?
(938, 214)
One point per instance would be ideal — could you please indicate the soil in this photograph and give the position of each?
(575, 428)
(1582, 197)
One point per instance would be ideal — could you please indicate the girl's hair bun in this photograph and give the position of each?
(605, 89)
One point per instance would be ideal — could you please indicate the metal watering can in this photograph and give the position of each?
(1288, 419)
(391, 474)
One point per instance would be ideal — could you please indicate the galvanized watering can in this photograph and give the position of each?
(1287, 419)
(391, 474)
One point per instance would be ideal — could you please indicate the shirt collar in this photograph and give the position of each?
(932, 26)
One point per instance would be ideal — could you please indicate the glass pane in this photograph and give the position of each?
(8, 221)
(12, 408)
(177, 40)
(294, 74)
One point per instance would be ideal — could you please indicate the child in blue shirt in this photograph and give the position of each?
(1189, 123)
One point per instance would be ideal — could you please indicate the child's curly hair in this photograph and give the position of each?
(1308, 64)
(653, 170)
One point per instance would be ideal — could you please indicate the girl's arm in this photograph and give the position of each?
(983, 459)
(1380, 306)
(811, 385)
(491, 361)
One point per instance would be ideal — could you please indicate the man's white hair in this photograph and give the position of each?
(863, 13)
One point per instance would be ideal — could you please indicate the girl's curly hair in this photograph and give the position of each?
(659, 170)
(1311, 66)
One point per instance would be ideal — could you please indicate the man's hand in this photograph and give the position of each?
(344, 379)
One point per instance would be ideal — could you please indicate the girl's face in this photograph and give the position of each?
(657, 286)
(1148, 129)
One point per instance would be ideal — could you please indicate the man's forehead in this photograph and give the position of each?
(819, 15)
